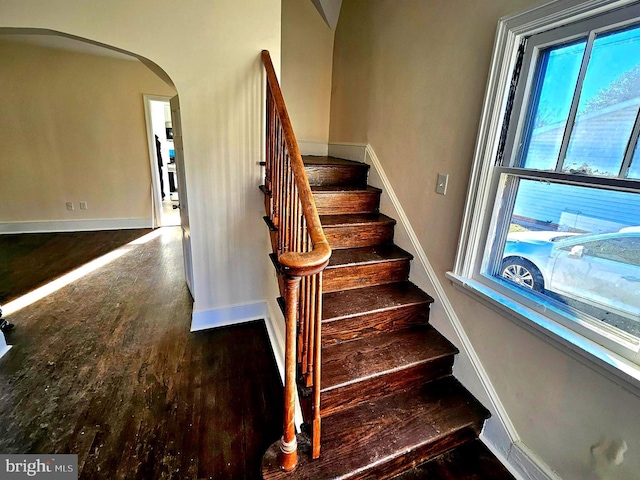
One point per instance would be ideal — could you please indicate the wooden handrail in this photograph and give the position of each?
(298, 263)
(303, 252)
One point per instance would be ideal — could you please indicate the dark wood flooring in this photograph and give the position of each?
(29, 260)
(472, 461)
(106, 368)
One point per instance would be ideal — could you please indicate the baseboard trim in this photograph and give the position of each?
(224, 316)
(4, 348)
(275, 331)
(348, 151)
(317, 149)
(54, 226)
(527, 465)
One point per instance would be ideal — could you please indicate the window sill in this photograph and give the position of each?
(616, 368)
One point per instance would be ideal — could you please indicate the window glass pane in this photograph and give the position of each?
(557, 75)
(608, 105)
(634, 168)
(579, 247)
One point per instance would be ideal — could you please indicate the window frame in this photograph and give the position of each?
(618, 354)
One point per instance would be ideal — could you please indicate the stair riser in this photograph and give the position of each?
(359, 235)
(356, 276)
(341, 398)
(373, 323)
(416, 456)
(338, 203)
(337, 175)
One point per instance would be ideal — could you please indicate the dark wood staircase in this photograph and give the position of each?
(389, 403)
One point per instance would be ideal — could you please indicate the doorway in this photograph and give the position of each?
(165, 193)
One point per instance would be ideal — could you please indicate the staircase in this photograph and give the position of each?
(388, 401)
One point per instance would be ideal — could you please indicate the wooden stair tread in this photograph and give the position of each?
(471, 461)
(361, 359)
(367, 255)
(324, 160)
(350, 220)
(358, 301)
(380, 436)
(320, 189)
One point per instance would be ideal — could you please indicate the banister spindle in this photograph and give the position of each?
(289, 443)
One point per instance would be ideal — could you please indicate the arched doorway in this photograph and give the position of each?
(75, 123)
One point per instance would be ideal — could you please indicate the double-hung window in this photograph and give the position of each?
(552, 222)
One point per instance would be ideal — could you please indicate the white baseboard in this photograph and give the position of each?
(527, 465)
(53, 226)
(317, 149)
(276, 331)
(225, 316)
(348, 151)
(4, 348)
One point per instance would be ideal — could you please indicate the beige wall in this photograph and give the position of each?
(72, 128)
(307, 58)
(211, 51)
(409, 79)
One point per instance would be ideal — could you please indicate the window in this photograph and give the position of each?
(552, 222)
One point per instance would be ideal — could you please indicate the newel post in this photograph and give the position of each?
(289, 444)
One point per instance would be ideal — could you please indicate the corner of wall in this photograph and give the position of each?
(317, 149)
(225, 316)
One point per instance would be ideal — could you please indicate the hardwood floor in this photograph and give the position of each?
(29, 260)
(106, 368)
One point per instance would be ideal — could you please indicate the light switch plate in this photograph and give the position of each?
(441, 186)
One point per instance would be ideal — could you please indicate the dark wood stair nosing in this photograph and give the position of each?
(357, 219)
(270, 225)
(395, 254)
(382, 373)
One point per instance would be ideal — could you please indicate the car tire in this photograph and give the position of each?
(523, 273)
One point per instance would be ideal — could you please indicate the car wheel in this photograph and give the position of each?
(522, 272)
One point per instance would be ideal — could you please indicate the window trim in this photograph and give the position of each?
(477, 220)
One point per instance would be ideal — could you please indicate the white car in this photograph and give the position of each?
(602, 270)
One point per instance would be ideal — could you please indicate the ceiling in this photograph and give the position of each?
(61, 42)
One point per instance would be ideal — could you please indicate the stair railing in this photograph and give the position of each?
(303, 252)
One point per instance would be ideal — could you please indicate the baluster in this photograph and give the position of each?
(269, 147)
(277, 173)
(317, 347)
(305, 295)
(311, 333)
(289, 444)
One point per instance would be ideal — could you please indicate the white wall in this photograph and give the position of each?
(307, 59)
(73, 129)
(211, 51)
(409, 79)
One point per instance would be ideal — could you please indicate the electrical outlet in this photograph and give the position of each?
(69, 206)
(83, 206)
(441, 185)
